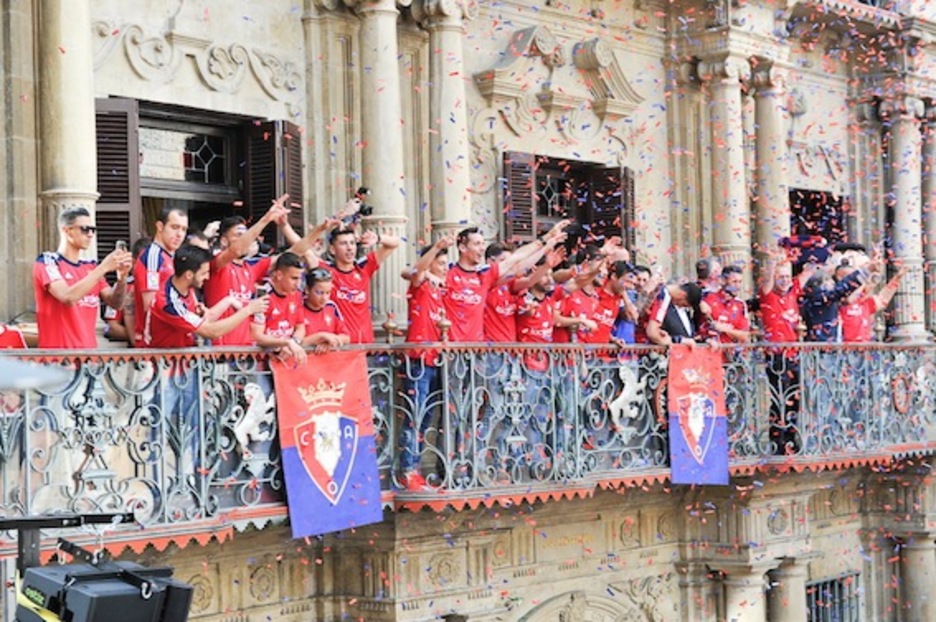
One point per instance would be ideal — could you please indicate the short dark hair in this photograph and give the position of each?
(339, 231)
(703, 267)
(168, 210)
(693, 294)
(464, 234)
(229, 223)
(732, 269)
(140, 245)
(588, 253)
(642, 268)
(70, 214)
(317, 275)
(620, 268)
(288, 260)
(428, 247)
(496, 249)
(189, 258)
(197, 234)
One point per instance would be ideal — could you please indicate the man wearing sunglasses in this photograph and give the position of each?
(69, 289)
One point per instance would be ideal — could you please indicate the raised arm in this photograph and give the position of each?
(416, 273)
(70, 294)
(240, 246)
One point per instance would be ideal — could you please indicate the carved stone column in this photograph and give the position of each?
(382, 139)
(731, 227)
(918, 576)
(929, 213)
(449, 161)
(786, 600)
(744, 595)
(772, 219)
(68, 168)
(902, 122)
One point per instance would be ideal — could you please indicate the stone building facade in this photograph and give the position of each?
(687, 125)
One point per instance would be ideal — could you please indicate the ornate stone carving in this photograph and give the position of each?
(778, 521)
(765, 75)
(501, 551)
(443, 569)
(896, 107)
(203, 593)
(444, 11)
(612, 95)
(629, 532)
(726, 68)
(648, 597)
(221, 67)
(263, 582)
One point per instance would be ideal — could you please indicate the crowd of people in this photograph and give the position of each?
(181, 289)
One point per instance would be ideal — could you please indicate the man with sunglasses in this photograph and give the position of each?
(69, 289)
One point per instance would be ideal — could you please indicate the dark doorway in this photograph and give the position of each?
(817, 213)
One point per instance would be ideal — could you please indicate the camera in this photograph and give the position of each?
(363, 209)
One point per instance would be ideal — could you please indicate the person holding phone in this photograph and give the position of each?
(69, 289)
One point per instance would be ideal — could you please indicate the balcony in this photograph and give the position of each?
(164, 434)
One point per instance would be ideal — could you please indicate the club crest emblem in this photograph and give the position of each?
(327, 442)
(696, 413)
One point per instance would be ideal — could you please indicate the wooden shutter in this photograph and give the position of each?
(118, 214)
(629, 214)
(274, 167)
(519, 202)
(604, 207)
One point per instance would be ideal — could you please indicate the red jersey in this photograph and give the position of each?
(780, 314)
(535, 322)
(466, 292)
(11, 338)
(325, 320)
(858, 320)
(238, 281)
(500, 314)
(63, 325)
(283, 315)
(351, 293)
(150, 272)
(579, 304)
(729, 311)
(607, 307)
(172, 319)
(424, 309)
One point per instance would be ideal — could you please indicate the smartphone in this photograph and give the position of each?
(120, 245)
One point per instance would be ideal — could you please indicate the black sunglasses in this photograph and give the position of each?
(86, 229)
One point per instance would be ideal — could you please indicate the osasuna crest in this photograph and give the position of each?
(696, 413)
(327, 442)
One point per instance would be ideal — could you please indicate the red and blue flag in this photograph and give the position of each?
(327, 437)
(698, 428)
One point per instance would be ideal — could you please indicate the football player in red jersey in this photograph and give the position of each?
(282, 327)
(325, 328)
(421, 372)
(154, 266)
(69, 289)
(235, 274)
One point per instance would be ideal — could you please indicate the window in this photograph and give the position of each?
(834, 600)
(539, 191)
(212, 165)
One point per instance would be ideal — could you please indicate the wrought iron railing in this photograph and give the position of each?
(184, 436)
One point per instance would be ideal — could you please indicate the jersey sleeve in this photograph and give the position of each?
(46, 271)
(370, 265)
(146, 270)
(175, 314)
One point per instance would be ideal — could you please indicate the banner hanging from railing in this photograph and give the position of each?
(327, 436)
(698, 428)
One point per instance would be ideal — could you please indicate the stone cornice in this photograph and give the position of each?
(612, 94)
(901, 107)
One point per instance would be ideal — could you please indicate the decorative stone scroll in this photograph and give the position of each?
(221, 67)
